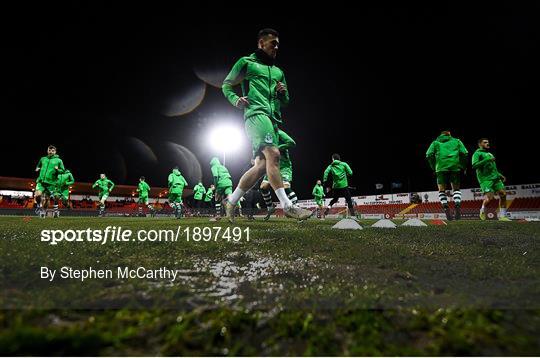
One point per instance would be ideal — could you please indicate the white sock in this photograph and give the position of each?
(482, 209)
(236, 195)
(283, 199)
(503, 211)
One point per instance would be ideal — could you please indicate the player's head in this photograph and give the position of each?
(445, 132)
(268, 41)
(51, 150)
(142, 179)
(176, 168)
(336, 156)
(212, 186)
(102, 176)
(319, 182)
(483, 143)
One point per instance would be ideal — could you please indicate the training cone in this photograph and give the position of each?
(385, 224)
(414, 222)
(349, 224)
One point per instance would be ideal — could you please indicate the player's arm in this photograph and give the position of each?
(234, 77)
(283, 91)
(479, 160)
(463, 154)
(95, 184)
(348, 169)
(215, 174)
(60, 167)
(70, 179)
(38, 166)
(110, 184)
(169, 181)
(286, 141)
(430, 156)
(184, 181)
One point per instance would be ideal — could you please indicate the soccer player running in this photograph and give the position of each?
(176, 183)
(222, 183)
(264, 91)
(144, 189)
(490, 180)
(49, 168)
(447, 156)
(318, 195)
(340, 172)
(105, 186)
(285, 142)
(208, 198)
(64, 181)
(198, 195)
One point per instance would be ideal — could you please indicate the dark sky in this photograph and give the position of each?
(376, 85)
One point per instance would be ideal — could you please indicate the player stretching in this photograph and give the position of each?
(49, 168)
(491, 181)
(264, 91)
(447, 156)
(105, 186)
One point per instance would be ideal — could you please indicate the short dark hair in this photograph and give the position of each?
(336, 156)
(481, 140)
(176, 167)
(51, 147)
(141, 178)
(266, 32)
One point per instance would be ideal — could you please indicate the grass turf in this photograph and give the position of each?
(294, 289)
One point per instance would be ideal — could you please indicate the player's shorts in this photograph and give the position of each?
(492, 186)
(224, 190)
(262, 132)
(319, 202)
(175, 197)
(449, 177)
(143, 200)
(103, 196)
(46, 188)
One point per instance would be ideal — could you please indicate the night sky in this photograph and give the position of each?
(376, 85)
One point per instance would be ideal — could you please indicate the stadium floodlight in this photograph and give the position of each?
(226, 138)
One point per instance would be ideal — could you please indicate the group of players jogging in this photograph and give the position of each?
(264, 92)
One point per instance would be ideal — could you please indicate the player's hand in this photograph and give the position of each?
(242, 102)
(38, 169)
(503, 178)
(493, 159)
(281, 88)
(464, 171)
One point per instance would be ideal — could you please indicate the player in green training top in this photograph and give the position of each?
(285, 142)
(144, 189)
(49, 168)
(340, 171)
(176, 183)
(264, 92)
(490, 180)
(105, 186)
(63, 184)
(447, 156)
(222, 183)
(318, 195)
(198, 196)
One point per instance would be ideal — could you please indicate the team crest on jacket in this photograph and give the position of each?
(268, 138)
